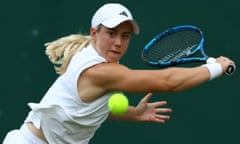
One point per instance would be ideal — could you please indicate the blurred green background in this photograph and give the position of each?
(203, 115)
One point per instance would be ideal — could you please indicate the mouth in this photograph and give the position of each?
(115, 52)
(114, 55)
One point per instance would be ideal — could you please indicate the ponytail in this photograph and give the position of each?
(61, 50)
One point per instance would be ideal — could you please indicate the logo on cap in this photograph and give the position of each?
(123, 13)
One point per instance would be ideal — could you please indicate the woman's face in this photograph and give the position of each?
(112, 43)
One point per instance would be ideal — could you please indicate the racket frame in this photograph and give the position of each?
(187, 59)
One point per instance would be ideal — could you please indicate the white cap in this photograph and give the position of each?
(111, 15)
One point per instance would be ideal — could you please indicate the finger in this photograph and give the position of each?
(160, 119)
(146, 98)
(163, 110)
(163, 117)
(159, 103)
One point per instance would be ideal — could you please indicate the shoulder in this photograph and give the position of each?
(105, 74)
(99, 79)
(107, 70)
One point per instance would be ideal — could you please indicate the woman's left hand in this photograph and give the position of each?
(152, 112)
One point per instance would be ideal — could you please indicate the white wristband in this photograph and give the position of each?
(215, 70)
(211, 60)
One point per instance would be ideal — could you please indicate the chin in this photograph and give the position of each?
(113, 60)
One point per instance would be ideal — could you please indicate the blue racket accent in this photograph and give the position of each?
(175, 46)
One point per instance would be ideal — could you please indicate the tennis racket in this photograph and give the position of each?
(178, 45)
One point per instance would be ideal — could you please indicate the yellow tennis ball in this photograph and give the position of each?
(118, 103)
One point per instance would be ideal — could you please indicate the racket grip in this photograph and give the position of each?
(230, 70)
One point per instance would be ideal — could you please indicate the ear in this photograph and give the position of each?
(93, 32)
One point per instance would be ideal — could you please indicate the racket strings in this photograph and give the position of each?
(174, 46)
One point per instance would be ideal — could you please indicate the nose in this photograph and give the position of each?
(118, 41)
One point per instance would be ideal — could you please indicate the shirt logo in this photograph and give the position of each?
(123, 13)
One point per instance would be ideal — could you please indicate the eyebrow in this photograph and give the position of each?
(112, 29)
(115, 30)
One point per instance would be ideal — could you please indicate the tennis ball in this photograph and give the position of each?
(118, 103)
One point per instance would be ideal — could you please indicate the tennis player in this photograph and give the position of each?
(89, 71)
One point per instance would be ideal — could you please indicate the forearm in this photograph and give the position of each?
(188, 78)
(195, 76)
(164, 80)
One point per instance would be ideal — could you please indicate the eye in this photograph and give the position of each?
(111, 33)
(126, 36)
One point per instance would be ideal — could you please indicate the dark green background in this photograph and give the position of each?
(207, 114)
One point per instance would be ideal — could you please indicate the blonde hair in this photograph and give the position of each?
(61, 50)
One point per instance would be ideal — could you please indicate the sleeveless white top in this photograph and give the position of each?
(62, 115)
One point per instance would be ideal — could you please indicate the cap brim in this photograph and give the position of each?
(112, 23)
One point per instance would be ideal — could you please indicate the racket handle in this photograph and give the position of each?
(230, 70)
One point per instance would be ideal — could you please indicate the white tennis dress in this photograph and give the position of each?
(62, 115)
